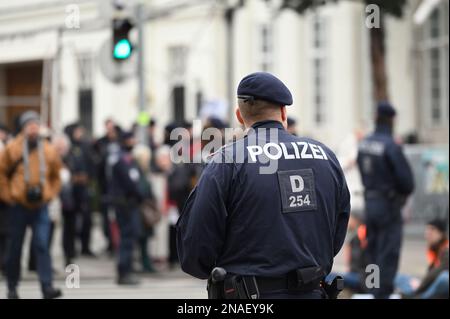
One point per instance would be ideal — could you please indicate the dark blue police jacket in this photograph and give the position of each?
(125, 186)
(265, 224)
(383, 166)
(386, 176)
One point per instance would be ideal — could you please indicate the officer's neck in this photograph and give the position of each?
(253, 124)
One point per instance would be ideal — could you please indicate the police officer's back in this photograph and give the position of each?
(388, 180)
(278, 224)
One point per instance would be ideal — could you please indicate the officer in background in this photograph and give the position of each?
(81, 166)
(388, 181)
(126, 197)
(291, 125)
(274, 234)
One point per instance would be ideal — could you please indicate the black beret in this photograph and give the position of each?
(264, 86)
(440, 224)
(386, 109)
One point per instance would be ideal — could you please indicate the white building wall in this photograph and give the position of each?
(203, 31)
(400, 70)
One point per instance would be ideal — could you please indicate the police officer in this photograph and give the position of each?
(388, 180)
(126, 196)
(81, 166)
(270, 210)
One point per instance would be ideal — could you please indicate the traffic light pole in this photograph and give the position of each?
(142, 129)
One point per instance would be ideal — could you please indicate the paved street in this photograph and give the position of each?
(97, 276)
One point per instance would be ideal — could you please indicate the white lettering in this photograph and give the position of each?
(253, 151)
(296, 151)
(297, 183)
(285, 152)
(304, 149)
(315, 150)
(270, 155)
(325, 157)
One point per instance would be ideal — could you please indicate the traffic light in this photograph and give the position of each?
(122, 47)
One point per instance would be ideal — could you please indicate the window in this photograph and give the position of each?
(434, 49)
(266, 48)
(85, 93)
(177, 62)
(319, 67)
(85, 71)
(177, 69)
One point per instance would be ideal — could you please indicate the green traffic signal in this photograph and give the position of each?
(122, 49)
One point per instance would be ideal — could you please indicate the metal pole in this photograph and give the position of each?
(229, 19)
(142, 130)
(56, 86)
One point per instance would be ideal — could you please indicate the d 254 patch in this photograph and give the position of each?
(297, 190)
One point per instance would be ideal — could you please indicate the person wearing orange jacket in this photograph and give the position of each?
(435, 283)
(29, 180)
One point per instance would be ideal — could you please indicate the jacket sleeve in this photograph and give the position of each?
(5, 162)
(202, 226)
(343, 214)
(54, 179)
(404, 178)
(433, 273)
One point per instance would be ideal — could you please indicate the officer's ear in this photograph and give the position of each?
(283, 114)
(239, 116)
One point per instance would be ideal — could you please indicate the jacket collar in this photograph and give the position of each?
(268, 124)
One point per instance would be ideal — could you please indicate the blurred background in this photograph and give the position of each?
(158, 64)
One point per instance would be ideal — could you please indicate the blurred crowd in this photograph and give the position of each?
(78, 177)
(109, 182)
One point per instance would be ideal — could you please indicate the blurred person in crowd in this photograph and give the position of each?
(355, 252)
(292, 126)
(153, 145)
(169, 207)
(44, 133)
(135, 128)
(219, 125)
(29, 179)
(162, 158)
(4, 136)
(142, 155)
(435, 283)
(107, 149)
(181, 180)
(388, 181)
(211, 142)
(62, 145)
(127, 195)
(80, 164)
(347, 155)
(167, 130)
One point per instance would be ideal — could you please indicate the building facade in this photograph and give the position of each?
(63, 69)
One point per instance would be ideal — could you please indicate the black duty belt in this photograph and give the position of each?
(231, 286)
(300, 280)
(266, 284)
